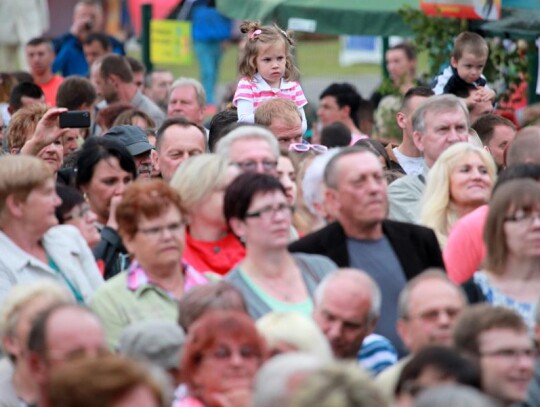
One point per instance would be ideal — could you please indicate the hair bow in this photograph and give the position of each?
(255, 34)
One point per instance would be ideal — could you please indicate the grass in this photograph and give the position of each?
(315, 59)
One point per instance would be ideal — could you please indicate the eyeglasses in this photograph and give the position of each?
(510, 354)
(252, 166)
(304, 147)
(78, 212)
(269, 212)
(158, 231)
(223, 353)
(523, 217)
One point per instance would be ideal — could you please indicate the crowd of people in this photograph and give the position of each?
(156, 256)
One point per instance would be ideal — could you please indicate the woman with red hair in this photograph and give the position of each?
(223, 351)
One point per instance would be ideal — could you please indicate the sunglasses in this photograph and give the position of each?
(304, 148)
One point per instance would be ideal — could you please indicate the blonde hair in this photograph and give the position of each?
(438, 212)
(19, 175)
(296, 330)
(23, 122)
(22, 295)
(260, 35)
(197, 177)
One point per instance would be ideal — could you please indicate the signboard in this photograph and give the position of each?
(470, 9)
(170, 42)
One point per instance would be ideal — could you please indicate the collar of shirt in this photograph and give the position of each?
(263, 85)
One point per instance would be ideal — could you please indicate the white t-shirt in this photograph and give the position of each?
(411, 165)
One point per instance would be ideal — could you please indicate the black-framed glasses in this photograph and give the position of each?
(268, 166)
(269, 212)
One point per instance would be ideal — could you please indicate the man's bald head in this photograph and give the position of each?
(525, 149)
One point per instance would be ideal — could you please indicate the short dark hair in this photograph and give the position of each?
(20, 90)
(135, 65)
(346, 95)
(34, 42)
(407, 48)
(517, 171)
(241, 191)
(96, 149)
(74, 92)
(335, 135)
(422, 91)
(102, 38)
(485, 126)
(177, 121)
(118, 65)
(219, 124)
(444, 360)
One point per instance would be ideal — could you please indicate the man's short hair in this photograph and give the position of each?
(525, 148)
(118, 65)
(346, 95)
(485, 126)
(74, 92)
(178, 121)
(470, 42)
(479, 318)
(421, 91)
(135, 65)
(437, 104)
(407, 48)
(28, 89)
(330, 171)
(102, 38)
(376, 297)
(277, 108)
(224, 145)
(219, 126)
(199, 89)
(34, 42)
(430, 274)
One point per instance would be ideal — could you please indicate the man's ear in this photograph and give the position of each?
(453, 62)
(37, 366)
(401, 120)
(331, 197)
(346, 110)
(372, 325)
(418, 140)
(402, 328)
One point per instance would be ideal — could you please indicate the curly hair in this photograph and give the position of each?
(263, 35)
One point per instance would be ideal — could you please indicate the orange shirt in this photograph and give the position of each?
(51, 88)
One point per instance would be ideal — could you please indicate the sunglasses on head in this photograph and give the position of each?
(304, 147)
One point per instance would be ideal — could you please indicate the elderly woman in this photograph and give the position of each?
(17, 314)
(270, 278)
(510, 276)
(200, 182)
(222, 353)
(459, 182)
(104, 169)
(33, 247)
(152, 229)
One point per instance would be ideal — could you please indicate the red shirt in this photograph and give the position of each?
(50, 89)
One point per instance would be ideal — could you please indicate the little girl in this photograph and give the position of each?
(268, 71)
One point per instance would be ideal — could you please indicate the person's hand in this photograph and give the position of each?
(483, 95)
(47, 132)
(81, 27)
(115, 201)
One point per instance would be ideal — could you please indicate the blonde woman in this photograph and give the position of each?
(459, 182)
(200, 182)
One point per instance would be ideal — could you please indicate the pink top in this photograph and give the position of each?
(258, 90)
(137, 277)
(188, 402)
(465, 249)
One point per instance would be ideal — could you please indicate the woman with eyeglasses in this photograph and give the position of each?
(511, 274)
(221, 356)
(271, 279)
(152, 228)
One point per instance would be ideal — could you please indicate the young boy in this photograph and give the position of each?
(466, 65)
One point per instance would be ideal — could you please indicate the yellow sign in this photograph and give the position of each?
(170, 42)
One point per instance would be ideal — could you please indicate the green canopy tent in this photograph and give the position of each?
(337, 17)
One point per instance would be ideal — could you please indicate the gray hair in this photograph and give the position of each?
(437, 104)
(199, 89)
(223, 146)
(313, 182)
(271, 381)
(330, 171)
(429, 274)
(455, 395)
(350, 274)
